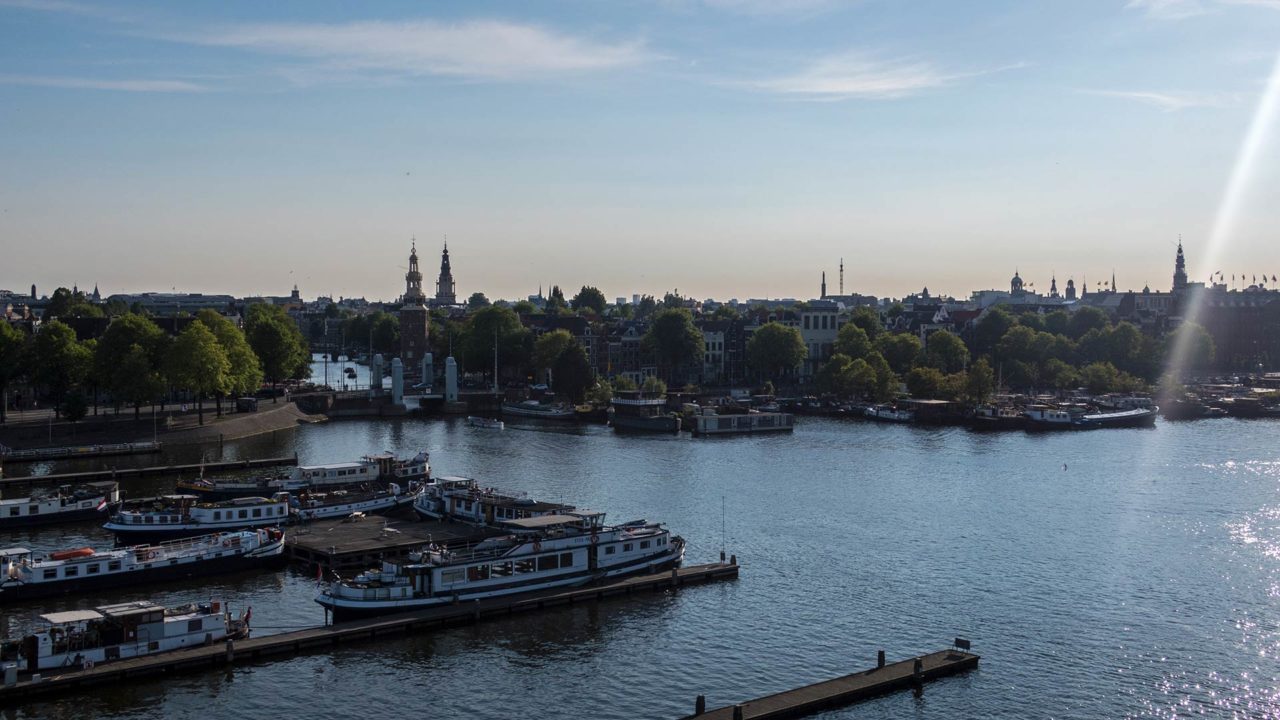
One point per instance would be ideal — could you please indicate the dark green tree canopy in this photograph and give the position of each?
(589, 298)
(674, 339)
(775, 348)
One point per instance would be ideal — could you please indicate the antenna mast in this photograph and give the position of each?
(842, 276)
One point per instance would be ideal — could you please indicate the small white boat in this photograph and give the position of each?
(535, 409)
(487, 423)
(888, 413)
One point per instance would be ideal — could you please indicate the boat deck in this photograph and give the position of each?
(338, 544)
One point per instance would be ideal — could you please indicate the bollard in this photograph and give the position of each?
(475, 611)
(674, 579)
(737, 712)
(700, 705)
(733, 559)
(721, 556)
(231, 650)
(880, 659)
(917, 668)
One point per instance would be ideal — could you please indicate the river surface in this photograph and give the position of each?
(1117, 573)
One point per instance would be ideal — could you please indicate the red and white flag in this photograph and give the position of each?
(102, 504)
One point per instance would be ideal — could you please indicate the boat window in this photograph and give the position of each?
(644, 544)
(566, 559)
(548, 562)
(113, 566)
(70, 571)
(92, 569)
(51, 574)
(626, 547)
(452, 576)
(280, 510)
(244, 514)
(257, 512)
(611, 550)
(217, 514)
(150, 520)
(478, 572)
(33, 510)
(195, 625)
(524, 566)
(500, 569)
(13, 511)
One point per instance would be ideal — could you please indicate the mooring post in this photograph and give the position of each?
(700, 705)
(721, 556)
(231, 650)
(737, 712)
(674, 578)
(733, 559)
(475, 611)
(880, 659)
(917, 676)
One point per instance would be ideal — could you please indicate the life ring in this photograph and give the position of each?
(226, 543)
(152, 554)
(594, 538)
(88, 664)
(537, 546)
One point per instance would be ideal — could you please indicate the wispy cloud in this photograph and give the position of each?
(1182, 9)
(480, 49)
(848, 76)
(802, 8)
(1167, 101)
(78, 83)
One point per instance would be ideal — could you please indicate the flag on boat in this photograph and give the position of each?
(102, 505)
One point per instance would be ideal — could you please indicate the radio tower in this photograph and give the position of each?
(841, 276)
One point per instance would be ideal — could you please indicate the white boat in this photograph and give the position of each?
(539, 553)
(369, 471)
(1048, 417)
(535, 409)
(462, 499)
(174, 516)
(710, 423)
(80, 639)
(67, 503)
(487, 423)
(69, 571)
(888, 413)
(342, 503)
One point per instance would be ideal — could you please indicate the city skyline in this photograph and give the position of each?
(640, 148)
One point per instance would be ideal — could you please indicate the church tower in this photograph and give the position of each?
(445, 291)
(1053, 286)
(1071, 289)
(824, 285)
(414, 319)
(1015, 285)
(1180, 270)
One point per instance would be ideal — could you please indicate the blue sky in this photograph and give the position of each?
(724, 148)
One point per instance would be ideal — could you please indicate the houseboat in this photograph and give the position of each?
(67, 503)
(485, 423)
(708, 422)
(84, 569)
(177, 516)
(538, 553)
(637, 411)
(997, 417)
(888, 413)
(462, 499)
(80, 639)
(1136, 417)
(1048, 417)
(538, 410)
(368, 472)
(342, 503)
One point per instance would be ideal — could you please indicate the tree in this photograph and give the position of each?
(726, 312)
(67, 304)
(601, 393)
(277, 342)
(385, 331)
(1057, 322)
(622, 383)
(555, 301)
(980, 381)
(674, 339)
(775, 348)
(925, 382)
(1057, 374)
(886, 385)
(244, 373)
(196, 363)
(572, 372)
(482, 328)
(946, 352)
(12, 347)
(654, 385)
(477, 301)
(1084, 320)
(589, 298)
(57, 362)
(524, 307)
(332, 311)
(1100, 377)
(116, 344)
(1018, 344)
(853, 342)
(900, 350)
(844, 376)
(646, 307)
(869, 320)
(989, 329)
(1189, 348)
(136, 379)
(548, 349)
(74, 406)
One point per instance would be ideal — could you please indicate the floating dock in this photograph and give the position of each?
(130, 472)
(79, 451)
(845, 690)
(284, 645)
(340, 544)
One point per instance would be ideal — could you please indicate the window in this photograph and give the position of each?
(195, 625)
(548, 562)
(566, 559)
(500, 569)
(113, 566)
(524, 566)
(644, 544)
(610, 549)
(33, 510)
(51, 574)
(150, 520)
(257, 512)
(626, 547)
(244, 514)
(280, 510)
(13, 511)
(92, 569)
(478, 572)
(217, 514)
(70, 571)
(806, 322)
(452, 576)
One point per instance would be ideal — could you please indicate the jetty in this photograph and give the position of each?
(134, 472)
(285, 645)
(848, 689)
(340, 544)
(76, 452)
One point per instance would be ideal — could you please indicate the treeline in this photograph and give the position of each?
(135, 362)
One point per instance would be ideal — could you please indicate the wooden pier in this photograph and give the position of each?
(132, 472)
(845, 690)
(261, 649)
(76, 452)
(340, 544)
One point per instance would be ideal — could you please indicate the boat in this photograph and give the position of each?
(542, 411)
(369, 471)
(997, 417)
(486, 423)
(342, 503)
(535, 554)
(463, 499)
(638, 411)
(709, 422)
(71, 571)
(1049, 417)
(1137, 417)
(67, 503)
(888, 413)
(80, 639)
(176, 516)
(1190, 408)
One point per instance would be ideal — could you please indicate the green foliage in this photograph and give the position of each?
(74, 406)
(775, 348)
(548, 348)
(244, 373)
(646, 307)
(1198, 347)
(136, 378)
(477, 337)
(990, 329)
(380, 329)
(1057, 374)
(946, 352)
(869, 320)
(13, 344)
(672, 300)
(477, 301)
(589, 298)
(622, 383)
(524, 307)
(925, 382)
(115, 307)
(555, 301)
(674, 339)
(1099, 377)
(980, 381)
(853, 342)
(277, 342)
(66, 304)
(571, 372)
(846, 377)
(725, 312)
(600, 393)
(57, 361)
(900, 350)
(1032, 320)
(1084, 320)
(1057, 322)
(886, 383)
(896, 310)
(654, 385)
(332, 311)
(196, 362)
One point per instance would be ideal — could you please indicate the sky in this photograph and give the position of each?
(718, 148)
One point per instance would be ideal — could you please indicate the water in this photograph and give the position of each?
(1142, 580)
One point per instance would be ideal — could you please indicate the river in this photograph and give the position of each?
(1099, 574)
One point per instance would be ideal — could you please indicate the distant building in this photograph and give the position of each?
(446, 292)
(414, 319)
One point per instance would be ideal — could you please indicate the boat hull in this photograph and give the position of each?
(126, 535)
(557, 415)
(654, 424)
(70, 516)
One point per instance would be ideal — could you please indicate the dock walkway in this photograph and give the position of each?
(130, 472)
(847, 689)
(283, 645)
(338, 544)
